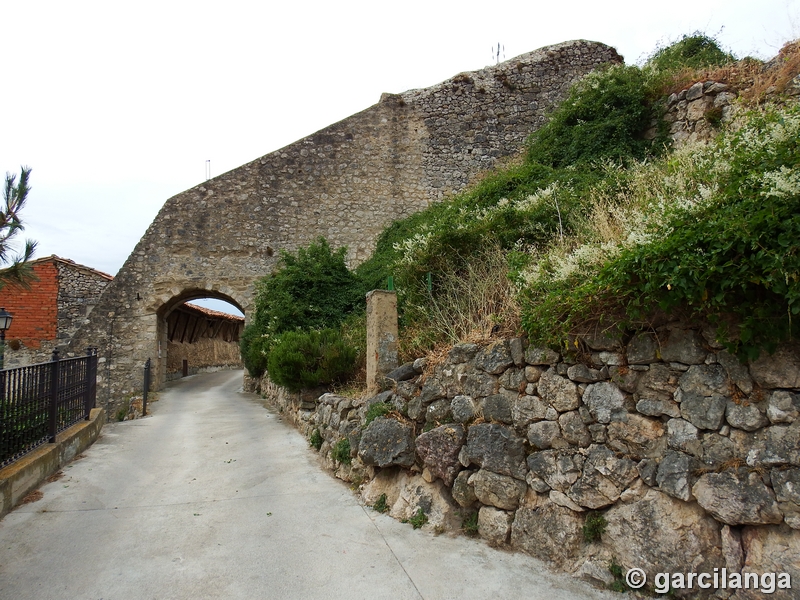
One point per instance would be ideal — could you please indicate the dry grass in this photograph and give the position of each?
(473, 305)
(354, 388)
(751, 78)
(34, 496)
(55, 476)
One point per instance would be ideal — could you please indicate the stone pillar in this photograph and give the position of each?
(381, 336)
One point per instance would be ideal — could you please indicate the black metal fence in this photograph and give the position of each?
(146, 388)
(39, 401)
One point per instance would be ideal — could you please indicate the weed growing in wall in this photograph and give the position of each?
(594, 526)
(469, 524)
(378, 409)
(341, 452)
(381, 504)
(418, 520)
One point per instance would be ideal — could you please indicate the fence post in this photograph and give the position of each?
(146, 386)
(53, 425)
(91, 375)
(381, 336)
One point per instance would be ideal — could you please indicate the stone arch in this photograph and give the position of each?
(165, 303)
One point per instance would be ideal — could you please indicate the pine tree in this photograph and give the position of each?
(14, 195)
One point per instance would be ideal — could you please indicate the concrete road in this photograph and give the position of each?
(214, 496)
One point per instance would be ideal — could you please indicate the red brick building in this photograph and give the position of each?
(49, 311)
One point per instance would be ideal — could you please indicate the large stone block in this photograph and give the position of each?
(438, 450)
(556, 469)
(771, 549)
(494, 525)
(496, 448)
(605, 401)
(778, 370)
(604, 478)
(737, 497)
(387, 442)
(501, 491)
(559, 392)
(550, 532)
(637, 436)
(659, 534)
(495, 358)
(684, 346)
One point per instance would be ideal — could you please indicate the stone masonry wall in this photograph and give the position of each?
(691, 458)
(79, 289)
(345, 182)
(203, 356)
(693, 114)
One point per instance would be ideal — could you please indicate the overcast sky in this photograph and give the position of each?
(118, 106)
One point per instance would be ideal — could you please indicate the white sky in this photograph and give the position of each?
(117, 106)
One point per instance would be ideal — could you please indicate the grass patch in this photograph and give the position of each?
(378, 409)
(469, 524)
(418, 520)
(594, 526)
(618, 585)
(122, 411)
(341, 452)
(380, 504)
(315, 440)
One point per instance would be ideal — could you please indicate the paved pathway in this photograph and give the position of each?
(215, 497)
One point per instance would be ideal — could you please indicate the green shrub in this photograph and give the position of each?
(378, 409)
(341, 452)
(301, 360)
(603, 118)
(695, 51)
(254, 347)
(315, 440)
(732, 250)
(594, 526)
(311, 289)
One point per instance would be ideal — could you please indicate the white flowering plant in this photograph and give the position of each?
(724, 246)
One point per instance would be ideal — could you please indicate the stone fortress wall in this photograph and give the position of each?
(345, 182)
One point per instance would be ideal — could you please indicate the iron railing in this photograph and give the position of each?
(38, 401)
(146, 388)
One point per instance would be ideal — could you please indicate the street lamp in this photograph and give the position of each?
(5, 323)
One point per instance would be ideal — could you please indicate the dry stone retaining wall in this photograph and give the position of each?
(692, 458)
(694, 114)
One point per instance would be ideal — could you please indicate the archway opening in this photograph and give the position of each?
(198, 331)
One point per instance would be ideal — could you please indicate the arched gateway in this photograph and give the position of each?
(345, 182)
